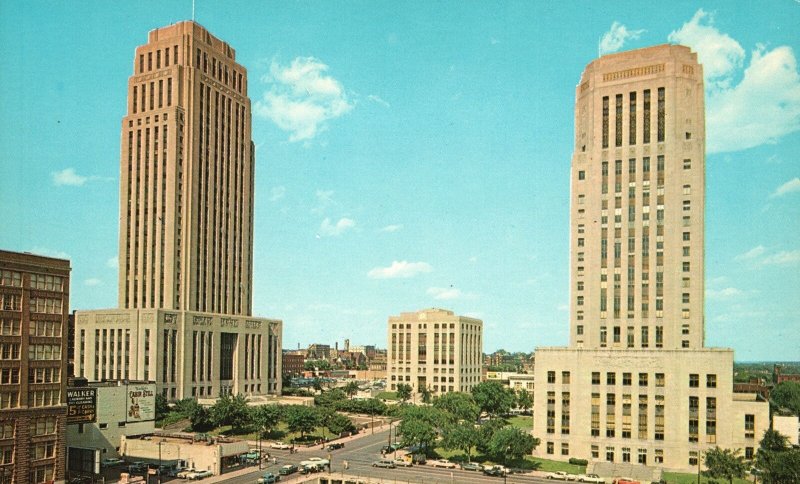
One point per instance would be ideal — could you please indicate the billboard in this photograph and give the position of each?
(141, 403)
(81, 405)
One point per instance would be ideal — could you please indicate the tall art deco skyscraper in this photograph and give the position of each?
(186, 231)
(636, 386)
(186, 184)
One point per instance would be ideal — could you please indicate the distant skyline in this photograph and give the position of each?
(413, 155)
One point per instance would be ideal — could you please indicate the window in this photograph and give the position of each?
(565, 377)
(694, 380)
(10, 278)
(611, 378)
(686, 267)
(103, 426)
(579, 330)
(686, 236)
(626, 379)
(580, 300)
(551, 377)
(687, 164)
(581, 175)
(564, 448)
(595, 378)
(642, 379)
(617, 334)
(749, 426)
(660, 380)
(550, 448)
(711, 380)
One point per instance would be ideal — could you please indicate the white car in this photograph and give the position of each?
(562, 476)
(197, 475)
(111, 461)
(279, 445)
(593, 478)
(183, 474)
(403, 463)
(443, 463)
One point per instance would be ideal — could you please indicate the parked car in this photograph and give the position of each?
(268, 478)
(317, 462)
(279, 445)
(562, 476)
(593, 478)
(308, 468)
(111, 461)
(384, 463)
(625, 480)
(288, 469)
(403, 462)
(443, 463)
(471, 466)
(335, 445)
(184, 473)
(201, 474)
(498, 471)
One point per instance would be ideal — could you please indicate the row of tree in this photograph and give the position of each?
(776, 461)
(491, 397)
(234, 411)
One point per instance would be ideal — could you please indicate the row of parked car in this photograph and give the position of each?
(565, 476)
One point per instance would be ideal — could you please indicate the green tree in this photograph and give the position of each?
(317, 365)
(724, 464)
(351, 389)
(787, 395)
(233, 411)
(404, 392)
(420, 426)
(776, 460)
(267, 417)
(162, 408)
(493, 398)
(461, 436)
(426, 394)
(300, 418)
(330, 398)
(773, 441)
(338, 424)
(524, 400)
(511, 443)
(199, 416)
(487, 431)
(461, 406)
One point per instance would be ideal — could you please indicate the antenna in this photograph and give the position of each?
(192, 10)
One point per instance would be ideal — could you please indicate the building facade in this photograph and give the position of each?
(293, 364)
(186, 231)
(34, 307)
(186, 177)
(434, 349)
(636, 384)
(187, 354)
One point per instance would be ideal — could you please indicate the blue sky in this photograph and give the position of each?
(414, 154)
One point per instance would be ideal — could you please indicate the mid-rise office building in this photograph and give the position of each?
(636, 384)
(434, 349)
(34, 306)
(186, 230)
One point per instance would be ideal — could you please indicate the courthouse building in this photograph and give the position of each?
(186, 230)
(434, 349)
(636, 384)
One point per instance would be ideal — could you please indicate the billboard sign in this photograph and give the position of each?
(141, 403)
(81, 405)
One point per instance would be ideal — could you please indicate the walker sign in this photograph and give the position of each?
(81, 405)
(141, 403)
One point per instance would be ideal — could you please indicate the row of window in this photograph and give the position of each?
(627, 379)
(632, 113)
(36, 398)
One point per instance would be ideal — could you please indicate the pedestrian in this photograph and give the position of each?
(346, 465)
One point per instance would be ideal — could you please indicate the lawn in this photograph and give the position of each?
(386, 396)
(681, 478)
(524, 422)
(281, 433)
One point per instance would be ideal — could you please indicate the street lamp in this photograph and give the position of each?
(160, 442)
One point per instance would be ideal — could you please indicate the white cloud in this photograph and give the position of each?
(392, 228)
(762, 107)
(377, 99)
(277, 193)
(783, 258)
(68, 177)
(753, 253)
(400, 269)
(302, 98)
(615, 38)
(92, 282)
(328, 229)
(445, 293)
(324, 200)
(57, 254)
(723, 294)
(113, 262)
(791, 186)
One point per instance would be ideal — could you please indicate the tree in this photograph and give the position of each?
(462, 436)
(773, 441)
(420, 426)
(493, 398)
(724, 464)
(461, 406)
(330, 398)
(351, 389)
(426, 394)
(162, 408)
(300, 418)
(511, 442)
(338, 424)
(404, 391)
(267, 417)
(233, 411)
(787, 395)
(524, 400)
(776, 460)
(199, 416)
(317, 365)
(487, 431)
